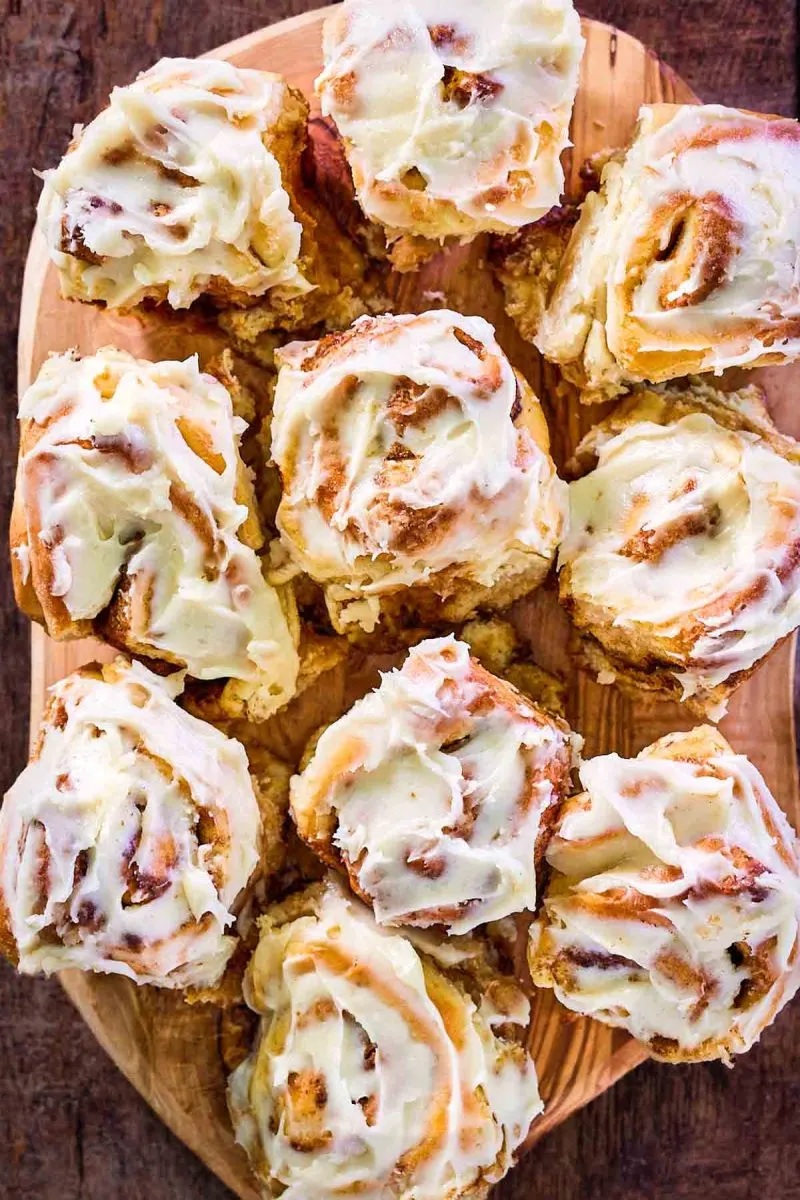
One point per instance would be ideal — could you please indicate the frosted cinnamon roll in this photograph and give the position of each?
(415, 468)
(453, 116)
(134, 519)
(376, 1070)
(686, 260)
(680, 567)
(673, 909)
(182, 187)
(128, 838)
(475, 773)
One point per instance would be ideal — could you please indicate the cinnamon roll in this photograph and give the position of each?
(686, 259)
(453, 116)
(377, 1070)
(681, 564)
(188, 184)
(127, 840)
(475, 773)
(134, 519)
(415, 468)
(674, 906)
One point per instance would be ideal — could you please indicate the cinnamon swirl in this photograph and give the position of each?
(377, 1070)
(453, 116)
(674, 906)
(686, 260)
(681, 566)
(189, 184)
(475, 773)
(133, 518)
(415, 468)
(128, 838)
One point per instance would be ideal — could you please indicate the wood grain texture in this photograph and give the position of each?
(662, 1131)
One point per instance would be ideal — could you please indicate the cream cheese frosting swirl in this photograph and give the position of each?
(674, 907)
(684, 544)
(688, 258)
(174, 191)
(454, 115)
(411, 454)
(127, 839)
(131, 515)
(375, 1072)
(475, 773)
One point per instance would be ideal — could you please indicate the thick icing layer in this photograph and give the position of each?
(688, 533)
(132, 487)
(373, 1072)
(674, 909)
(128, 837)
(688, 258)
(436, 791)
(172, 191)
(401, 462)
(454, 115)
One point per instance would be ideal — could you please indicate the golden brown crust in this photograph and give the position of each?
(736, 409)
(527, 266)
(649, 674)
(409, 616)
(408, 252)
(223, 704)
(346, 283)
(498, 647)
(24, 591)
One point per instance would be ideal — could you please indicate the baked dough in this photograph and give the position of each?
(175, 190)
(680, 568)
(435, 793)
(686, 260)
(674, 903)
(129, 837)
(453, 115)
(416, 470)
(134, 519)
(378, 1069)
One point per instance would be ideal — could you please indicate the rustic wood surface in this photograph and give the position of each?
(72, 1125)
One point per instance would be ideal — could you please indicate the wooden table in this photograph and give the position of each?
(71, 1128)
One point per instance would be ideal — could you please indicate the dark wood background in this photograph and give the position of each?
(71, 1128)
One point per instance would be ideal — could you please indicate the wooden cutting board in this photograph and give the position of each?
(169, 1050)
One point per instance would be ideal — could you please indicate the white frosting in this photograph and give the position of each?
(475, 99)
(411, 1092)
(471, 768)
(399, 459)
(690, 257)
(131, 475)
(689, 533)
(128, 837)
(172, 188)
(680, 871)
